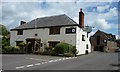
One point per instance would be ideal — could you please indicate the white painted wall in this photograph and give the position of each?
(43, 34)
(81, 45)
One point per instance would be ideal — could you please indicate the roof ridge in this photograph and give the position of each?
(45, 17)
(51, 16)
(56, 20)
(106, 34)
(71, 19)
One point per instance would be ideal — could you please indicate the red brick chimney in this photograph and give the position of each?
(81, 19)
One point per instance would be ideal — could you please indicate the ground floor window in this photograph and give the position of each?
(18, 42)
(87, 46)
(53, 43)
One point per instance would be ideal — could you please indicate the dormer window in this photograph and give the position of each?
(20, 32)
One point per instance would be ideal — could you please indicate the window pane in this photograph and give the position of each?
(19, 32)
(18, 42)
(83, 37)
(54, 30)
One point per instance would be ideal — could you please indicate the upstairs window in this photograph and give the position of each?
(19, 32)
(54, 30)
(83, 37)
(70, 30)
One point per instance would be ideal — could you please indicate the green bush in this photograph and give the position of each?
(16, 49)
(8, 49)
(12, 50)
(62, 48)
(4, 42)
(22, 44)
(48, 50)
(22, 47)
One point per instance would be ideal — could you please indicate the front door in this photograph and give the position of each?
(32, 45)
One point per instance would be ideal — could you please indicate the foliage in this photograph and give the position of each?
(61, 48)
(3, 30)
(4, 42)
(74, 50)
(65, 49)
(12, 50)
(48, 50)
(22, 47)
(22, 44)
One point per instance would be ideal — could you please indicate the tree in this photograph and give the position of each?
(4, 32)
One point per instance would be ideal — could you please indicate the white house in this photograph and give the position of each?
(52, 30)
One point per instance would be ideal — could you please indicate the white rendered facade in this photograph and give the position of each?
(43, 33)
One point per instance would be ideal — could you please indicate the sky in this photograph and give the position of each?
(100, 15)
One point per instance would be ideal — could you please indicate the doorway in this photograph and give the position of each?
(32, 45)
(99, 48)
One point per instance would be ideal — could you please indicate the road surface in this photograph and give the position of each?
(92, 61)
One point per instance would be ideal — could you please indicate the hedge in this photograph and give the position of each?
(65, 49)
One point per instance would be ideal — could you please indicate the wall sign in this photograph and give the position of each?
(70, 30)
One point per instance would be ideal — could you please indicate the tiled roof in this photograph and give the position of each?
(59, 20)
(109, 36)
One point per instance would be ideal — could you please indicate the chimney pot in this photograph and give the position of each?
(81, 10)
(22, 22)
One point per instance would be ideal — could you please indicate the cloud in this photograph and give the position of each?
(102, 24)
(14, 12)
(102, 8)
(111, 14)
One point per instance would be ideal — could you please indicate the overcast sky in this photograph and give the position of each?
(101, 15)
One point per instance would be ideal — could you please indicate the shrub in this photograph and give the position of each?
(16, 49)
(22, 43)
(8, 49)
(22, 47)
(62, 48)
(48, 50)
(12, 50)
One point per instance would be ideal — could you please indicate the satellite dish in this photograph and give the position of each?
(88, 29)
